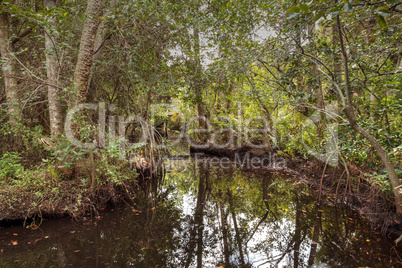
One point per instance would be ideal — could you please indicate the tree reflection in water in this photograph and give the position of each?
(207, 217)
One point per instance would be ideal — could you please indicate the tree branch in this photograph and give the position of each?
(24, 33)
(332, 77)
(30, 80)
(349, 109)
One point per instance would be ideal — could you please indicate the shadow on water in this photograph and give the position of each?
(206, 217)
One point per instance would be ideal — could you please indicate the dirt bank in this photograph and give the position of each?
(67, 198)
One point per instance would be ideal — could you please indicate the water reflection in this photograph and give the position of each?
(206, 217)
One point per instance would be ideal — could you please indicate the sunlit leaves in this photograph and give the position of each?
(303, 7)
(294, 9)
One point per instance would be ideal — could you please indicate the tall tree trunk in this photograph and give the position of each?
(229, 96)
(52, 69)
(237, 232)
(198, 219)
(225, 231)
(86, 50)
(10, 82)
(316, 237)
(336, 58)
(393, 177)
(297, 237)
(103, 28)
(197, 79)
(101, 37)
(319, 122)
(370, 40)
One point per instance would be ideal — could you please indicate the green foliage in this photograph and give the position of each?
(110, 169)
(68, 155)
(382, 181)
(10, 166)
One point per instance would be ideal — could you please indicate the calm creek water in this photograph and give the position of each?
(203, 216)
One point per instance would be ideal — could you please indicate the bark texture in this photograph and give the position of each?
(52, 69)
(6, 51)
(86, 50)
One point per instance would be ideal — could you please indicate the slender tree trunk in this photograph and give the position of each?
(229, 96)
(201, 114)
(86, 50)
(336, 57)
(319, 122)
(198, 219)
(52, 69)
(10, 83)
(225, 231)
(237, 232)
(316, 237)
(370, 40)
(393, 177)
(297, 236)
(267, 129)
(101, 38)
(197, 80)
(399, 63)
(148, 103)
(101, 34)
(200, 215)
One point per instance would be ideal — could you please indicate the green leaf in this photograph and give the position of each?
(292, 15)
(294, 9)
(334, 14)
(303, 7)
(317, 16)
(348, 7)
(384, 12)
(381, 21)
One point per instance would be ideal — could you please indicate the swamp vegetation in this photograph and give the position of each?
(208, 217)
(225, 133)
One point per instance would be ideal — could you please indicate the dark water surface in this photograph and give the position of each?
(207, 217)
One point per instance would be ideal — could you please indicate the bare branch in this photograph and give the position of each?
(30, 80)
(24, 33)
